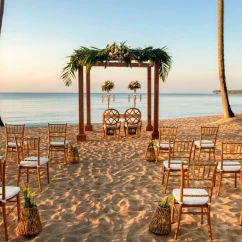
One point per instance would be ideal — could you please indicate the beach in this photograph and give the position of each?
(110, 194)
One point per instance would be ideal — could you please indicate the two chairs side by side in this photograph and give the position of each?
(112, 125)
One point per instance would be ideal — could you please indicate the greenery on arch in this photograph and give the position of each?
(116, 53)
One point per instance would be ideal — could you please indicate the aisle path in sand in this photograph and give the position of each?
(109, 195)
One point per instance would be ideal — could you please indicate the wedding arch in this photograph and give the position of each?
(117, 56)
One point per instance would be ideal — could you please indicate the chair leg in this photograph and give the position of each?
(178, 221)
(201, 217)
(173, 210)
(199, 153)
(241, 179)
(220, 181)
(48, 172)
(235, 180)
(214, 158)
(167, 179)
(194, 152)
(209, 224)
(28, 175)
(19, 174)
(240, 219)
(18, 206)
(163, 175)
(209, 154)
(5, 221)
(64, 155)
(39, 180)
(157, 156)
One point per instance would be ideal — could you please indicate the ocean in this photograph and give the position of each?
(38, 109)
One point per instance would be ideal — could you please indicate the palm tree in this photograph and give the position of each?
(1, 13)
(227, 111)
(1, 19)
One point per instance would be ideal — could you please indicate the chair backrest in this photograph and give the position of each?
(167, 133)
(132, 116)
(230, 151)
(28, 149)
(111, 116)
(57, 132)
(2, 178)
(180, 150)
(14, 130)
(209, 133)
(200, 176)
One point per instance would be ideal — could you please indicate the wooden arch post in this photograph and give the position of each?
(155, 134)
(88, 126)
(81, 136)
(149, 127)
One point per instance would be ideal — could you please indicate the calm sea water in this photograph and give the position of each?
(37, 109)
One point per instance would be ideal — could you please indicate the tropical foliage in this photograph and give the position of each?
(107, 86)
(91, 56)
(165, 202)
(29, 200)
(134, 85)
(1, 13)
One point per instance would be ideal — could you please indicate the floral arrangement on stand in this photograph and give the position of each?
(134, 85)
(107, 86)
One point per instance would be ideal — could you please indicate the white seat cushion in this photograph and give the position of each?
(32, 161)
(165, 145)
(1, 157)
(191, 200)
(229, 166)
(205, 143)
(58, 143)
(10, 192)
(11, 144)
(174, 164)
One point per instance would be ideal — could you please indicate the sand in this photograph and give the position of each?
(110, 194)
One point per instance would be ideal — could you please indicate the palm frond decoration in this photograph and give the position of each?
(116, 53)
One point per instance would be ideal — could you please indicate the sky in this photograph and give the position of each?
(38, 36)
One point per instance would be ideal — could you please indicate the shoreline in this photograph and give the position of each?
(109, 195)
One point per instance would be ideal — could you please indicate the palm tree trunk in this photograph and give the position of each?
(227, 111)
(1, 122)
(1, 13)
(1, 20)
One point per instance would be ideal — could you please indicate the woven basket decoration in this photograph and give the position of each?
(161, 221)
(150, 154)
(73, 155)
(29, 223)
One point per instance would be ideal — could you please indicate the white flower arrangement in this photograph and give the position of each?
(107, 86)
(134, 85)
(119, 52)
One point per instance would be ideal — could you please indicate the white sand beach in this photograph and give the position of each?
(109, 195)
